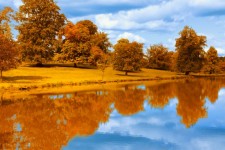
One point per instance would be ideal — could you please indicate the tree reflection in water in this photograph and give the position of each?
(191, 96)
(129, 101)
(49, 122)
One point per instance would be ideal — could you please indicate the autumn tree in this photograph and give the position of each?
(39, 24)
(8, 49)
(190, 51)
(212, 61)
(83, 43)
(222, 65)
(5, 18)
(159, 57)
(127, 56)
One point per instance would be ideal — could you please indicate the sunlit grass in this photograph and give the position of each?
(37, 77)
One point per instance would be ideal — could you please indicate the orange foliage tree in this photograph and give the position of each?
(8, 50)
(83, 43)
(127, 56)
(212, 61)
(39, 24)
(159, 57)
(189, 47)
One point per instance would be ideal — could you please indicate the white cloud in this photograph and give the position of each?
(207, 3)
(17, 3)
(131, 37)
(110, 21)
(101, 2)
(220, 51)
(106, 22)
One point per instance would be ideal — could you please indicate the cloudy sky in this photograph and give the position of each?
(148, 21)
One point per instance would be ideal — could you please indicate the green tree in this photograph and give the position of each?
(39, 24)
(212, 61)
(190, 51)
(8, 49)
(159, 57)
(127, 56)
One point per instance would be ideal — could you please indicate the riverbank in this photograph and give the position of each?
(25, 78)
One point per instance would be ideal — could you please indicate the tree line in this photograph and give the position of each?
(45, 34)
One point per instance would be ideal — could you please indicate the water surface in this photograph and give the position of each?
(184, 114)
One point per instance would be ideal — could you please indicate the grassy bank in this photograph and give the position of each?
(33, 77)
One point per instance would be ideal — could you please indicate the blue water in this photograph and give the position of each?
(173, 115)
(158, 129)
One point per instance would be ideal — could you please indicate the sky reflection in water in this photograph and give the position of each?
(188, 114)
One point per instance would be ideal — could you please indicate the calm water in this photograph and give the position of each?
(186, 114)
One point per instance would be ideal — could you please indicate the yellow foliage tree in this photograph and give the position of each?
(127, 56)
(212, 61)
(189, 47)
(9, 55)
(39, 24)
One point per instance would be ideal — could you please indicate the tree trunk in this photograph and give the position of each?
(39, 64)
(126, 73)
(75, 65)
(187, 72)
(102, 75)
(0, 75)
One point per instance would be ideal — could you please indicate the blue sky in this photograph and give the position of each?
(148, 21)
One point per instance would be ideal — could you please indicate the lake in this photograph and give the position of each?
(167, 115)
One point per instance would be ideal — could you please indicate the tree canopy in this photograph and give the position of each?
(39, 24)
(190, 51)
(5, 18)
(9, 55)
(159, 57)
(127, 56)
(83, 43)
(212, 61)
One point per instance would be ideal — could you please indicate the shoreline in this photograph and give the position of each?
(28, 78)
(91, 82)
(62, 88)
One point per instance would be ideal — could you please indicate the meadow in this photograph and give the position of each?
(39, 77)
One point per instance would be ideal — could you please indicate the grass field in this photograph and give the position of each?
(35, 77)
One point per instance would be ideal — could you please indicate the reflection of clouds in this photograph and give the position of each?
(150, 124)
(216, 118)
(173, 103)
(119, 142)
(213, 142)
(222, 92)
(164, 125)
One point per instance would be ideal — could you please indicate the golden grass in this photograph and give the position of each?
(57, 76)
(14, 94)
